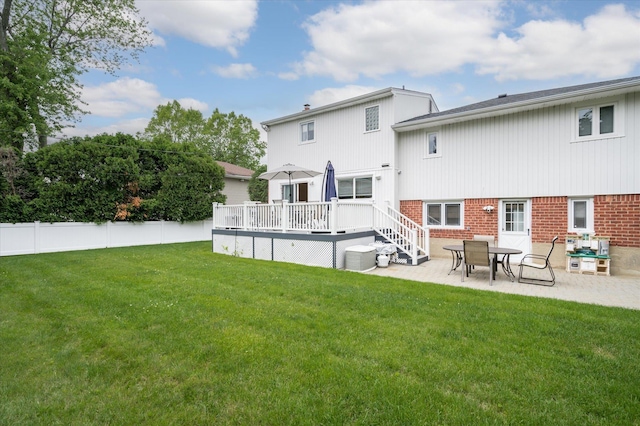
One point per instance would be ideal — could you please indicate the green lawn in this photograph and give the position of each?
(178, 335)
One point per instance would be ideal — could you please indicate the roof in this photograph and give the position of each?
(511, 103)
(235, 172)
(379, 94)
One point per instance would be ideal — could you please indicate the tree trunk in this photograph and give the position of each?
(42, 141)
(4, 25)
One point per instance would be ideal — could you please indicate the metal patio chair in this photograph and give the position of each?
(539, 262)
(476, 253)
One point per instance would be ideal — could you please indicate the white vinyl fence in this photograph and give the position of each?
(38, 237)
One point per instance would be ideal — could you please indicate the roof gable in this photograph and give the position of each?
(358, 100)
(233, 171)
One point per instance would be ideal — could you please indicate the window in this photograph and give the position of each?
(514, 216)
(444, 215)
(360, 187)
(287, 193)
(581, 215)
(372, 118)
(307, 132)
(296, 192)
(431, 148)
(595, 121)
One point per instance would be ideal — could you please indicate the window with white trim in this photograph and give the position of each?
(580, 215)
(448, 214)
(597, 121)
(288, 193)
(372, 118)
(357, 187)
(431, 148)
(307, 132)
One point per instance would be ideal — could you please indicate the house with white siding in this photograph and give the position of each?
(522, 167)
(236, 182)
(356, 135)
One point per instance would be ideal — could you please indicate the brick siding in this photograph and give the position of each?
(616, 216)
(549, 217)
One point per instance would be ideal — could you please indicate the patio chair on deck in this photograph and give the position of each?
(476, 253)
(539, 262)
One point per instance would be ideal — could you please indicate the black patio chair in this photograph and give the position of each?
(539, 262)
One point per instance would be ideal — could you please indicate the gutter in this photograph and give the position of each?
(239, 177)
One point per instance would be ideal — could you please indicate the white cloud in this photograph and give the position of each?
(336, 94)
(374, 39)
(190, 103)
(457, 88)
(157, 41)
(242, 71)
(291, 76)
(378, 38)
(540, 10)
(127, 96)
(121, 97)
(131, 127)
(219, 24)
(605, 45)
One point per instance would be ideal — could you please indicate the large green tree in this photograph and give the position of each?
(177, 124)
(45, 45)
(259, 188)
(235, 140)
(226, 137)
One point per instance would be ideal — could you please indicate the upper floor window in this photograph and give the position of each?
(307, 132)
(431, 146)
(580, 215)
(444, 215)
(597, 121)
(360, 187)
(372, 118)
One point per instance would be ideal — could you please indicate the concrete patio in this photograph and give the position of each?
(616, 290)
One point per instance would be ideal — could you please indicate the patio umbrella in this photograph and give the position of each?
(289, 171)
(329, 182)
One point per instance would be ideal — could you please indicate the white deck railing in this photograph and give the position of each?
(331, 217)
(326, 217)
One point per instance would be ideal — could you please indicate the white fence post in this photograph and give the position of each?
(245, 216)
(285, 215)
(333, 215)
(414, 246)
(36, 237)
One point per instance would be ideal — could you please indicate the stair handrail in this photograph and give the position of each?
(402, 235)
(423, 233)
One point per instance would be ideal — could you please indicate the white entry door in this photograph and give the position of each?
(515, 227)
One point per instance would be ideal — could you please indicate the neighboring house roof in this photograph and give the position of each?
(505, 104)
(390, 91)
(232, 171)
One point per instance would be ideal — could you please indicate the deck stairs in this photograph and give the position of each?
(410, 239)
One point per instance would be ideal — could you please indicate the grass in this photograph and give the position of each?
(176, 334)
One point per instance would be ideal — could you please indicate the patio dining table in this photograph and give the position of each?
(457, 251)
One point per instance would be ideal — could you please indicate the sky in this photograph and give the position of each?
(266, 59)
